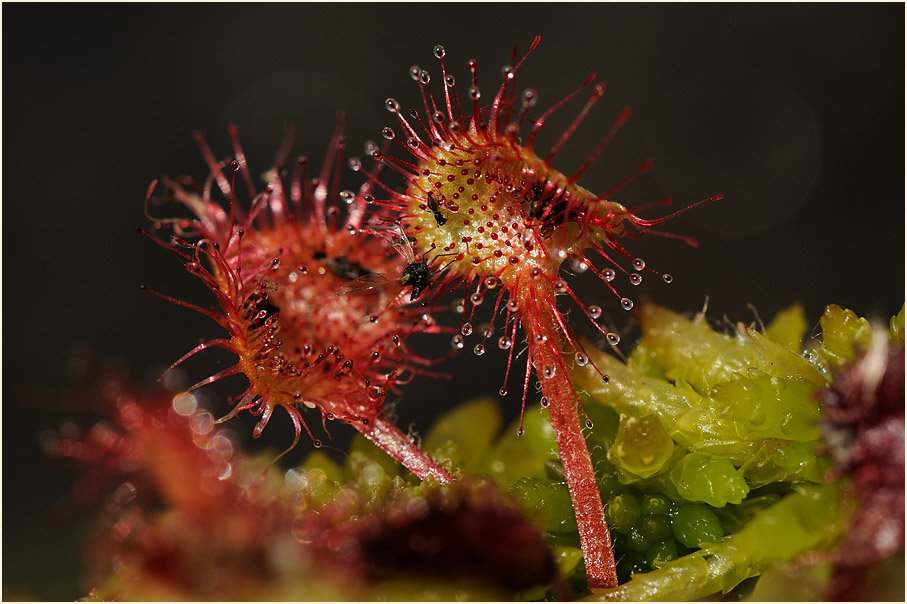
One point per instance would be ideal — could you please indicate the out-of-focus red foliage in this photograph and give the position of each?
(864, 431)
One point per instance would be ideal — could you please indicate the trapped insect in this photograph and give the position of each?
(418, 273)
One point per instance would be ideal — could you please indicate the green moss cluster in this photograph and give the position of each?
(705, 445)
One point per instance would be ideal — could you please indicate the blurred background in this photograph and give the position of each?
(794, 112)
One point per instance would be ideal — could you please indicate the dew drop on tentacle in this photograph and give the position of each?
(491, 282)
(609, 274)
(388, 133)
(639, 264)
(456, 342)
(667, 278)
(613, 338)
(560, 286)
(414, 72)
(476, 299)
(549, 372)
(347, 196)
(544, 402)
(530, 98)
(594, 311)
(466, 329)
(438, 51)
(392, 105)
(581, 359)
(513, 305)
(626, 303)
(578, 266)
(502, 391)
(504, 343)
(635, 278)
(479, 350)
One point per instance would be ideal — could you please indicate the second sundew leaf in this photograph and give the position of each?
(470, 428)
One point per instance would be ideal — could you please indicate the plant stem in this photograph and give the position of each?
(392, 441)
(595, 538)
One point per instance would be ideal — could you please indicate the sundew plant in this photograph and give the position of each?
(704, 459)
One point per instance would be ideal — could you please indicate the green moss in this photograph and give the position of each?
(788, 328)
(844, 334)
(704, 445)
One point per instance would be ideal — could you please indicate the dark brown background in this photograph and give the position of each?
(794, 112)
